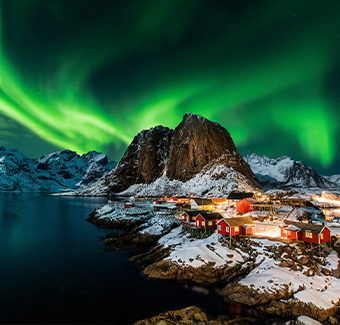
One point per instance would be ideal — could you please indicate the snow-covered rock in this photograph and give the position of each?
(58, 171)
(284, 172)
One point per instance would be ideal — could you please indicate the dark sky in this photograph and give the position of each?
(89, 75)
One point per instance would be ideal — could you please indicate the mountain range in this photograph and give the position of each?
(58, 171)
(284, 173)
(198, 157)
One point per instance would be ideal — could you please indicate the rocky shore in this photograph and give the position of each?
(275, 278)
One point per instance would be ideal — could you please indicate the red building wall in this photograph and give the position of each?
(244, 206)
(223, 225)
(314, 239)
(248, 231)
(326, 236)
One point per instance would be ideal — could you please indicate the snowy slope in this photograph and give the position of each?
(53, 172)
(285, 172)
(215, 180)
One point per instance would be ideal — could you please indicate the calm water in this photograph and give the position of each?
(53, 270)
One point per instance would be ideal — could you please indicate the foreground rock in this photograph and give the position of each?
(194, 315)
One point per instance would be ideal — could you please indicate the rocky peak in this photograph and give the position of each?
(196, 143)
(144, 160)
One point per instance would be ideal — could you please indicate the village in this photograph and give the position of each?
(284, 218)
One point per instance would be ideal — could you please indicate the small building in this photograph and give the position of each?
(236, 226)
(290, 232)
(188, 218)
(208, 220)
(173, 199)
(202, 204)
(310, 233)
(245, 205)
(234, 197)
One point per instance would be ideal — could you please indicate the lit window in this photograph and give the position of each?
(237, 229)
(308, 234)
(284, 231)
(203, 223)
(219, 227)
(209, 223)
(197, 222)
(321, 236)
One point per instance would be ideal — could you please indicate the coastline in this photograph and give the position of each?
(292, 285)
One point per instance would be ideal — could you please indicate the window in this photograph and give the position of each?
(308, 234)
(227, 229)
(197, 222)
(289, 232)
(188, 218)
(321, 236)
(209, 223)
(284, 231)
(237, 229)
(219, 227)
(203, 223)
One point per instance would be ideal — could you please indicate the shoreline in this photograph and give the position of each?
(247, 258)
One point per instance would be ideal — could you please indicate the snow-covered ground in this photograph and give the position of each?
(198, 252)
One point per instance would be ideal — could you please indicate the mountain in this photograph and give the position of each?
(284, 172)
(164, 156)
(54, 172)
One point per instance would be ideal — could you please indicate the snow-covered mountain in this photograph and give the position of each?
(284, 172)
(54, 172)
(172, 160)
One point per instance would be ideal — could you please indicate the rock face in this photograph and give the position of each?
(53, 172)
(284, 172)
(178, 154)
(196, 143)
(144, 160)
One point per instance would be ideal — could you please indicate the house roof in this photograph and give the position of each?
(293, 228)
(239, 196)
(238, 221)
(316, 229)
(210, 215)
(194, 213)
(203, 201)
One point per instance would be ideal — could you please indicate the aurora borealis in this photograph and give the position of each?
(89, 75)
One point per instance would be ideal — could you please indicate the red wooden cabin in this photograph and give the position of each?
(245, 205)
(189, 218)
(236, 226)
(208, 220)
(291, 232)
(311, 233)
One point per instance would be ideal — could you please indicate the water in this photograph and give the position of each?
(53, 270)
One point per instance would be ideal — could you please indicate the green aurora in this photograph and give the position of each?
(89, 75)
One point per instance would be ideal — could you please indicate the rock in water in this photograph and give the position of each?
(196, 143)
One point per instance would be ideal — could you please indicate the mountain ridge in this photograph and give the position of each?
(57, 171)
(285, 172)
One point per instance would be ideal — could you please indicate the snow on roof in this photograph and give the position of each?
(316, 229)
(238, 221)
(293, 228)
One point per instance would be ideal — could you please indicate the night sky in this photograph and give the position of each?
(89, 75)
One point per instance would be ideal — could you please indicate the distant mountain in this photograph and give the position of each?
(284, 172)
(163, 156)
(58, 171)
